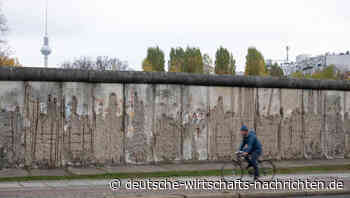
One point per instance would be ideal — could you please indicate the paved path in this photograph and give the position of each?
(330, 196)
(101, 188)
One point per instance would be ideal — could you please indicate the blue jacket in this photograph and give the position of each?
(252, 142)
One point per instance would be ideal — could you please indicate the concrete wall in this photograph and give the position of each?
(53, 121)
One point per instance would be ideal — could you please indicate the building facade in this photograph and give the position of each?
(309, 65)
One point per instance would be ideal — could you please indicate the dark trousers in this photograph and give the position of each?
(252, 161)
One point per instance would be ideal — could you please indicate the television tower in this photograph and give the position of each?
(45, 49)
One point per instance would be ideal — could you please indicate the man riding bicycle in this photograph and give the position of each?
(252, 147)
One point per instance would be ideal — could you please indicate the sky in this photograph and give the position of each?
(126, 28)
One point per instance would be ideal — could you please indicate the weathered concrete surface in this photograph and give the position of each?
(221, 133)
(167, 123)
(107, 123)
(14, 173)
(134, 77)
(100, 188)
(55, 124)
(139, 122)
(12, 138)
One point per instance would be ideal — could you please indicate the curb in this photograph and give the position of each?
(335, 192)
(242, 195)
(147, 196)
(291, 194)
(271, 194)
(213, 195)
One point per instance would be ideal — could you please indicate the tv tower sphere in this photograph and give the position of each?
(45, 49)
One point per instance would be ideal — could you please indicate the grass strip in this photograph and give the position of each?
(197, 173)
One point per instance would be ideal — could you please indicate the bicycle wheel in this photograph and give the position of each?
(267, 170)
(231, 171)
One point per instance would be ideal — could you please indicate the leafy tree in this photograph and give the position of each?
(297, 74)
(193, 60)
(327, 73)
(232, 65)
(99, 63)
(5, 59)
(155, 57)
(315, 75)
(255, 63)
(8, 61)
(189, 60)
(308, 76)
(177, 60)
(276, 70)
(224, 62)
(146, 65)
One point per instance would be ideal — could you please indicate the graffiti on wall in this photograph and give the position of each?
(52, 125)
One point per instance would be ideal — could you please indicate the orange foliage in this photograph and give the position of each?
(11, 62)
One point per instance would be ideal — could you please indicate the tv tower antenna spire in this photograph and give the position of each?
(45, 49)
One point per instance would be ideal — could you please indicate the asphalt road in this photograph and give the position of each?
(102, 188)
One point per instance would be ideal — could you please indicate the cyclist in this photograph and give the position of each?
(252, 147)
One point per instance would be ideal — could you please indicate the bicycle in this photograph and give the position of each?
(237, 169)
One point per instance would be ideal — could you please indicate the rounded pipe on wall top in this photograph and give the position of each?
(138, 77)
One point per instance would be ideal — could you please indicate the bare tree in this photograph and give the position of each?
(106, 63)
(101, 63)
(81, 63)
